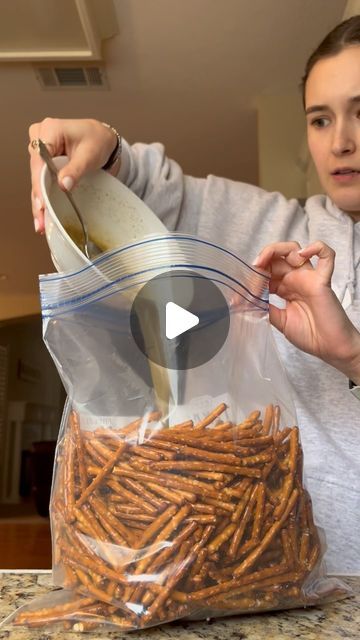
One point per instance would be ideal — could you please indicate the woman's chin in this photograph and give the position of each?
(349, 202)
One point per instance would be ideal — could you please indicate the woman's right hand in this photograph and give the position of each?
(87, 143)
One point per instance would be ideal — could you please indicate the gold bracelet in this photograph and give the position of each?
(115, 155)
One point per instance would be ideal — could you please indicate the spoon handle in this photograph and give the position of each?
(45, 155)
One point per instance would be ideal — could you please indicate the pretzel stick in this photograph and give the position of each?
(153, 529)
(268, 419)
(205, 466)
(259, 512)
(285, 538)
(192, 452)
(126, 510)
(220, 505)
(106, 517)
(254, 555)
(91, 525)
(243, 431)
(304, 548)
(240, 529)
(176, 443)
(183, 426)
(221, 538)
(276, 418)
(49, 613)
(178, 496)
(268, 468)
(211, 417)
(195, 486)
(256, 441)
(290, 576)
(284, 495)
(312, 560)
(241, 505)
(232, 584)
(293, 454)
(195, 569)
(203, 518)
(69, 480)
(217, 478)
(102, 474)
(140, 502)
(163, 449)
(146, 452)
(153, 416)
(75, 428)
(141, 491)
(203, 508)
(293, 535)
(94, 454)
(131, 517)
(104, 450)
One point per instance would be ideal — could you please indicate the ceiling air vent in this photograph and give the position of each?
(74, 77)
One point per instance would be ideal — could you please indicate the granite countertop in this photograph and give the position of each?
(328, 622)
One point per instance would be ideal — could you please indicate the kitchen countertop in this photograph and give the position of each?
(328, 622)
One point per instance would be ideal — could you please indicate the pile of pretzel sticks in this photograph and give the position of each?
(197, 520)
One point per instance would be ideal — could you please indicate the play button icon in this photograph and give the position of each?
(180, 319)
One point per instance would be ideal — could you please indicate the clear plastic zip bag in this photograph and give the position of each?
(176, 493)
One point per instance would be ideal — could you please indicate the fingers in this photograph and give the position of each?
(282, 258)
(47, 130)
(283, 250)
(326, 255)
(35, 168)
(83, 159)
(88, 145)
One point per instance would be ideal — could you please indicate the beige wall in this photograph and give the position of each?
(16, 306)
(281, 131)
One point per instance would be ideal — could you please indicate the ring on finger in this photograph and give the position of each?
(35, 144)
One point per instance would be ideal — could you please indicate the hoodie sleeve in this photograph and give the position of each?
(239, 216)
(160, 182)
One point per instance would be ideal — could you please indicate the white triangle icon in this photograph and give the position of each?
(178, 320)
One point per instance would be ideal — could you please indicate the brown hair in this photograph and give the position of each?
(344, 35)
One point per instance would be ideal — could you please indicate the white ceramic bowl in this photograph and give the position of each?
(114, 216)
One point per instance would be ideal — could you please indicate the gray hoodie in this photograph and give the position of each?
(244, 218)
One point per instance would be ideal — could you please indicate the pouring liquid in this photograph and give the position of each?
(159, 375)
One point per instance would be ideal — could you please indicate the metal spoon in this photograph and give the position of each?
(91, 250)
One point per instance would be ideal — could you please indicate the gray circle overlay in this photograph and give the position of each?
(194, 293)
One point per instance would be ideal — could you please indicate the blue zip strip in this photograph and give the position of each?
(152, 269)
(107, 295)
(189, 238)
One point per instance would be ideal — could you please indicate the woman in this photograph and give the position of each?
(244, 218)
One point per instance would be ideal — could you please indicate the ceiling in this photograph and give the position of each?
(185, 72)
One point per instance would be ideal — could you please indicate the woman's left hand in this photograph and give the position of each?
(313, 319)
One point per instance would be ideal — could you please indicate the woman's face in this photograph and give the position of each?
(332, 104)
